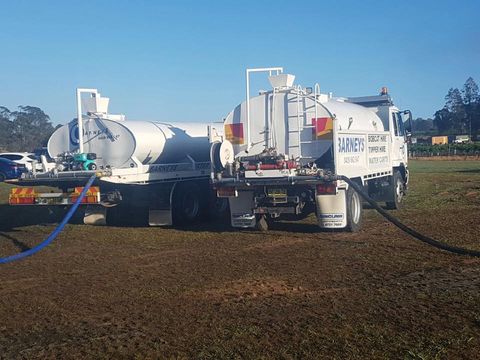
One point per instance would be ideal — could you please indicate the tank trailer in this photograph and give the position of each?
(159, 171)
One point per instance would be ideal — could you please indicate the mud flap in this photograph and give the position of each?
(160, 217)
(95, 215)
(332, 210)
(160, 206)
(241, 210)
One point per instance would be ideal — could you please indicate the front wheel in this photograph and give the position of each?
(354, 210)
(397, 191)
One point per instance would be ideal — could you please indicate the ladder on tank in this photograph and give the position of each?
(302, 114)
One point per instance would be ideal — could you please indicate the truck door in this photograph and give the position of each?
(399, 142)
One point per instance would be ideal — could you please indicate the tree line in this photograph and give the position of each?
(26, 129)
(459, 116)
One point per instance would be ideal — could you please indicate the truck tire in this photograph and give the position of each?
(188, 204)
(397, 191)
(354, 210)
(218, 208)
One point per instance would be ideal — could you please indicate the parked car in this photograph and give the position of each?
(10, 170)
(42, 151)
(23, 158)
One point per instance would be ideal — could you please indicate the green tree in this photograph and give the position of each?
(25, 129)
(471, 103)
(456, 107)
(421, 125)
(453, 118)
(30, 128)
(443, 120)
(6, 127)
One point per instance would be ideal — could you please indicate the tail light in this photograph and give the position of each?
(329, 188)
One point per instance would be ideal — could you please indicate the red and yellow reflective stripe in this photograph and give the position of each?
(92, 191)
(234, 133)
(322, 128)
(92, 196)
(22, 191)
(22, 196)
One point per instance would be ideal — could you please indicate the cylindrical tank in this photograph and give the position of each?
(116, 142)
(297, 126)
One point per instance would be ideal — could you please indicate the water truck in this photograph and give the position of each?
(156, 170)
(284, 151)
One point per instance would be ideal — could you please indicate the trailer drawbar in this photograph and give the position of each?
(353, 184)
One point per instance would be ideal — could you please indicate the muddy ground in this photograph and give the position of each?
(210, 292)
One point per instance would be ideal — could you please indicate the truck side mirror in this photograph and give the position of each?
(407, 122)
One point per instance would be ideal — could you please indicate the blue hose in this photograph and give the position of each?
(55, 232)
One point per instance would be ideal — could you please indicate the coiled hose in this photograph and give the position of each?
(55, 232)
(405, 228)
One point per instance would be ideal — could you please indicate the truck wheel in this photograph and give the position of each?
(2, 177)
(218, 208)
(397, 191)
(354, 210)
(187, 204)
(92, 167)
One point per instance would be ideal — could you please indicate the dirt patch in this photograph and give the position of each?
(241, 290)
(272, 244)
(292, 293)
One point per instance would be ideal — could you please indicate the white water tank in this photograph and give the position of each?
(299, 126)
(116, 142)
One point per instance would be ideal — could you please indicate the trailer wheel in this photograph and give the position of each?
(397, 191)
(187, 203)
(354, 210)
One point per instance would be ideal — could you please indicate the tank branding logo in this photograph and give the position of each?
(234, 133)
(74, 134)
(331, 216)
(351, 144)
(162, 168)
(100, 134)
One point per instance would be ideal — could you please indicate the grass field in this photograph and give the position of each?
(209, 292)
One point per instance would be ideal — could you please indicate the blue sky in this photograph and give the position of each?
(185, 60)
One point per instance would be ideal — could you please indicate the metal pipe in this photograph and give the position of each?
(247, 74)
(79, 120)
(248, 109)
(316, 94)
(80, 91)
